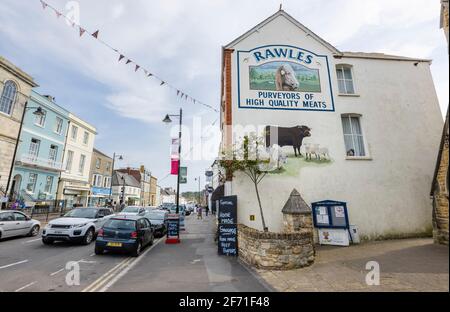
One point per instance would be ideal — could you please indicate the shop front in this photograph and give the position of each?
(99, 196)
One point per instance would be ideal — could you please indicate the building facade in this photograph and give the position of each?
(126, 189)
(74, 185)
(365, 127)
(168, 195)
(15, 89)
(143, 176)
(100, 177)
(440, 185)
(38, 161)
(154, 191)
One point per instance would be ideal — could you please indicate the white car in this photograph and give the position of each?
(132, 211)
(78, 225)
(16, 223)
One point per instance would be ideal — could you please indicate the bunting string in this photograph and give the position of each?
(82, 30)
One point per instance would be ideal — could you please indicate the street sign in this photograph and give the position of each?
(228, 226)
(183, 175)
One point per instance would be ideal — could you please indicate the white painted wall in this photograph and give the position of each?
(387, 193)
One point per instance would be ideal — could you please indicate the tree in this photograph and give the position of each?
(252, 159)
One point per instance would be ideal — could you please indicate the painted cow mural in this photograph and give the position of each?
(292, 136)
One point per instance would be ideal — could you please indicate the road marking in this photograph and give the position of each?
(129, 267)
(104, 276)
(16, 263)
(26, 286)
(54, 273)
(33, 240)
(112, 276)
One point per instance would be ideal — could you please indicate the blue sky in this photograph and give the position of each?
(181, 41)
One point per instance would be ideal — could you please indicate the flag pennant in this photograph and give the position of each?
(82, 31)
(150, 74)
(162, 82)
(95, 35)
(137, 67)
(44, 5)
(178, 92)
(129, 61)
(121, 57)
(58, 14)
(145, 71)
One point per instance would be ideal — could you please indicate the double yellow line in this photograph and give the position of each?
(105, 278)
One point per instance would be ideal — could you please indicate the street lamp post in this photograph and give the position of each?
(112, 172)
(38, 112)
(168, 120)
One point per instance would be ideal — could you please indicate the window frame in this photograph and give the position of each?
(42, 119)
(98, 163)
(74, 133)
(86, 138)
(342, 67)
(36, 150)
(367, 155)
(35, 175)
(13, 100)
(59, 125)
(69, 161)
(82, 164)
(49, 189)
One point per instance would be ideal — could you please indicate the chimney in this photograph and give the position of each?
(50, 98)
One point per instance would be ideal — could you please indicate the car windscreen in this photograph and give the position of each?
(88, 213)
(120, 224)
(155, 215)
(131, 209)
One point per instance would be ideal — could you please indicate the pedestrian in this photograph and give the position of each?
(116, 206)
(206, 211)
(199, 213)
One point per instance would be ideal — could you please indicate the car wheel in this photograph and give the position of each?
(137, 251)
(47, 241)
(88, 237)
(99, 250)
(34, 230)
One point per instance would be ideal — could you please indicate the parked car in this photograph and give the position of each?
(132, 211)
(78, 225)
(166, 206)
(15, 223)
(158, 219)
(129, 233)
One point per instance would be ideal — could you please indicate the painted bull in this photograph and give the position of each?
(285, 79)
(287, 136)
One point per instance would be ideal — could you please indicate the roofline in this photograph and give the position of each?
(13, 69)
(382, 57)
(101, 153)
(292, 20)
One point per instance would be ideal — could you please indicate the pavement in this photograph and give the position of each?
(27, 265)
(413, 265)
(193, 265)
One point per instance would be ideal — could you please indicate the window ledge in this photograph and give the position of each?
(349, 95)
(358, 158)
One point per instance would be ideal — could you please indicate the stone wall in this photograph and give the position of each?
(275, 251)
(440, 194)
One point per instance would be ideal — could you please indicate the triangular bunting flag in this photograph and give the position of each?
(58, 14)
(121, 57)
(137, 67)
(82, 31)
(150, 74)
(95, 35)
(162, 82)
(44, 5)
(186, 96)
(178, 92)
(129, 61)
(145, 72)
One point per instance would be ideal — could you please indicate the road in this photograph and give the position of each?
(27, 265)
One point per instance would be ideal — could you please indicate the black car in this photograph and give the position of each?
(158, 219)
(125, 233)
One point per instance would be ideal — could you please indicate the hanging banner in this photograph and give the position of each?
(284, 77)
(183, 175)
(174, 166)
(174, 148)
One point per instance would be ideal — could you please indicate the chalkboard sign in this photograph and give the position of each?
(227, 226)
(228, 239)
(173, 227)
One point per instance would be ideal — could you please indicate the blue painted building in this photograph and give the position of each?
(39, 157)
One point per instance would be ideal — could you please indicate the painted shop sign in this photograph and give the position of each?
(284, 77)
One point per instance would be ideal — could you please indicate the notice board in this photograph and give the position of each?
(227, 226)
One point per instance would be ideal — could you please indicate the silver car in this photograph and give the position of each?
(16, 223)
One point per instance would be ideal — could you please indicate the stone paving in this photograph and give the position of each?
(405, 265)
